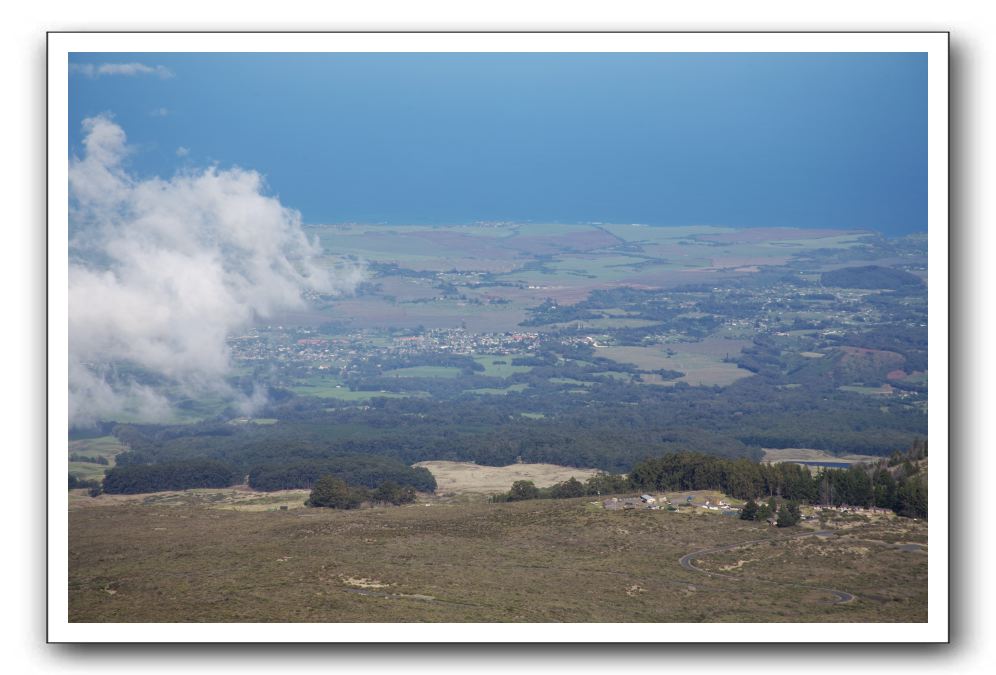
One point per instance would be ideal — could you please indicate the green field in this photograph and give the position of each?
(640, 233)
(494, 368)
(188, 411)
(498, 391)
(883, 390)
(334, 388)
(107, 447)
(699, 365)
(615, 375)
(424, 371)
(569, 380)
(608, 322)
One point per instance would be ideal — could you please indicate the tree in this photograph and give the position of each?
(391, 492)
(763, 512)
(788, 514)
(911, 500)
(884, 489)
(523, 489)
(749, 511)
(606, 484)
(334, 493)
(571, 487)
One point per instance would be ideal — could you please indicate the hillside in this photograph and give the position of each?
(871, 276)
(191, 558)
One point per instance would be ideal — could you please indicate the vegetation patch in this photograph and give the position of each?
(424, 371)
(532, 561)
(462, 477)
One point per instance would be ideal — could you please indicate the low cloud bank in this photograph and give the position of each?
(162, 270)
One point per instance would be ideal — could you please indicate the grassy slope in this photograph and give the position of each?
(527, 561)
(105, 446)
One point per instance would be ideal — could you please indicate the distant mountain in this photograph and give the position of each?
(871, 276)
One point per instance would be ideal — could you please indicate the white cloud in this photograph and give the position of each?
(126, 69)
(163, 270)
(182, 151)
(160, 112)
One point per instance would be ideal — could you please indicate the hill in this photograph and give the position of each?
(871, 276)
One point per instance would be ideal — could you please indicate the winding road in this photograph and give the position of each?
(687, 561)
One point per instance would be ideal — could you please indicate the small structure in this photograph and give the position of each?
(648, 499)
(626, 503)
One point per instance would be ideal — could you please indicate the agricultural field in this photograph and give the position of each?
(881, 390)
(529, 262)
(193, 560)
(702, 363)
(424, 371)
(107, 447)
(328, 387)
(498, 391)
(377, 312)
(496, 365)
(773, 455)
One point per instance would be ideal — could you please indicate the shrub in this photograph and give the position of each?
(523, 489)
(789, 515)
(332, 492)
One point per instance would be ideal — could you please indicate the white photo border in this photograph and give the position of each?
(61, 44)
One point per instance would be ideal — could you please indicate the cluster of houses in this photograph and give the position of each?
(460, 341)
(853, 509)
(655, 503)
(648, 501)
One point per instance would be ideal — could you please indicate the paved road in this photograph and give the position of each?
(688, 559)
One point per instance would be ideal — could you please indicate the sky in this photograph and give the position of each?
(741, 140)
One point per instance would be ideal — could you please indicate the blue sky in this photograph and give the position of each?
(745, 140)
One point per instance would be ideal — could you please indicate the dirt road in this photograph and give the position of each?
(687, 560)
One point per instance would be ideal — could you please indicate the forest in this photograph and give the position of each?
(614, 426)
(183, 475)
(896, 483)
(899, 485)
(366, 470)
(871, 276)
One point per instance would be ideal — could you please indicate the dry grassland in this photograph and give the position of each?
(464, 477)
(537, 561)
(811, 455)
